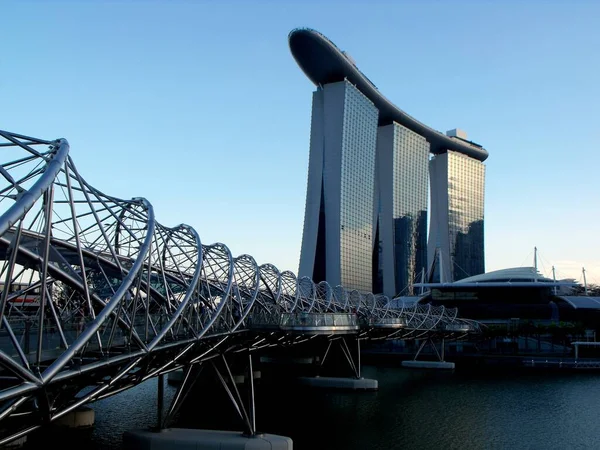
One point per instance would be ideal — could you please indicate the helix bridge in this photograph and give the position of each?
(97, 296)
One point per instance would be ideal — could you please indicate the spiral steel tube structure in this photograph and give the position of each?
(97, 296)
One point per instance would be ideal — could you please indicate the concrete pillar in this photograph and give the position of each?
(353, 384)
(82, 417)
(191, 439)
(444, 365)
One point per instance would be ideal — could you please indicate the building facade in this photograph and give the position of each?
(337, 241)
(456, 244)
(402, 197)
(365, 224)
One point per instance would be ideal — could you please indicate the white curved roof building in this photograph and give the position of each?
(512, 274)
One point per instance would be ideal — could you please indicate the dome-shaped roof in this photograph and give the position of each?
(513, 274)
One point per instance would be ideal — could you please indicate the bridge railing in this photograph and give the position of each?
(319, 320)
(387, 322)
(303, 321)
(456, 327)
(262, 319)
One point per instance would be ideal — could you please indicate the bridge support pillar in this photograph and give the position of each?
(189, 376)
(440, 364)
(247, 415)
(82, 417)
(160, 401)
(163, 438)
(355, 383)
(191, 439)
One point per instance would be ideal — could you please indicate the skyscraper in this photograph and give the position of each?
(401, 189)
(337, 243)
(455, 248)
(366, 205)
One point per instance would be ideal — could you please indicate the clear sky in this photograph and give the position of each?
(200, 108)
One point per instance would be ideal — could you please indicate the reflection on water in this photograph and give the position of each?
(412, 410)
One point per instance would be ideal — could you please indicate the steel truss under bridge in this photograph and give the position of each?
(97, 296)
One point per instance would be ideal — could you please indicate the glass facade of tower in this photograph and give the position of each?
(466, 180)
(357, 189)
(410, 197)
(402, 199)
(366, 213)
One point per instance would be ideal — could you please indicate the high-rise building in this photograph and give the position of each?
(455, 248)
(402, 192)
(337, 243)
(366, 205)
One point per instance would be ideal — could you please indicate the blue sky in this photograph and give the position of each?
(200, 108)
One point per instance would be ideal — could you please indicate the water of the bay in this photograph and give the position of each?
(412, 410)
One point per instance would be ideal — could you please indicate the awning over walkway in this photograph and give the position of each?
(581, 301)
